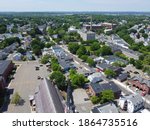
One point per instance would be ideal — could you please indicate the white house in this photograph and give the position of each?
(131, 103)
(17, 56)
(95, 77)
(72, 29)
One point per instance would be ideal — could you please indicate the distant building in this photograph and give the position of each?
(109, 25)
(105, 108)
(47, 99)
(93, 26)
(131, 103)
(86, 35)
(5, 69)
(96, 88)
(72, 29)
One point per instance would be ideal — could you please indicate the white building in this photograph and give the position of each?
(17, 56)
(86, 35)
(96, 77)
(72, 29)
(131, 103)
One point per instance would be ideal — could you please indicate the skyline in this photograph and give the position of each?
(74, 5)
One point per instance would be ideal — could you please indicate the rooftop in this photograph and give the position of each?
(3, 66)
(48, 98)
(105, 108)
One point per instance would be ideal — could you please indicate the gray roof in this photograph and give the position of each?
(123, 76)
(48, 98)
(142, 80)
(98, 88)
(105, 108)
(102, 66)
(4, 65)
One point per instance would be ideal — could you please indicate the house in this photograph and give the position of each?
(123, 77)
(105, 108)
(72, 29)
(131, 103)
(3, 55)
(17, 56)
(140, 83)
(6, 68)
(96, 88)
(47, 98)
(95, 77)
(112, 59)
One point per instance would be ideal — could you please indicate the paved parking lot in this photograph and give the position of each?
(24, 83)
(82, 106)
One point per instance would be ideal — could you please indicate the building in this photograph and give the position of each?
(105, 108)
(131, 103)
(96, 89)
(95, 77)
(72, 29)
(17, 56)
(5, 69)
(47, 98)
(108, 25)
(140, 83)
(123, 77)
(93, 26)
(86, 35)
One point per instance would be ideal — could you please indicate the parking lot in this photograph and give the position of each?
(25, 81)
(81, 101)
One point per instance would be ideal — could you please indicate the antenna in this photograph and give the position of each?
(91, 23)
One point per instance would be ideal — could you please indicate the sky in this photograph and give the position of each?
(74, 5)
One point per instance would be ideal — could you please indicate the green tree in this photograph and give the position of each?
(106, 96)
(16, 98)
(90, 62)
(73, 47)
(138, 64)
(95, 46)
(95, 99)
(110, 73)
(105, 50)
(81, 51)
(55, 67)
(45, 59)
(3, 28)
(59, 79)
(84, 57)
(21, 50)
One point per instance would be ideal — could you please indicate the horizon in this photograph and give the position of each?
(74, 6)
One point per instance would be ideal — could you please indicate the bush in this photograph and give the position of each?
(16, 98)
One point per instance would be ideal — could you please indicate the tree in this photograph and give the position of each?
(84, 57)
(21, 50)
(110, 73)
(95, 46)
(81, 51)
(105, 50)
(45, 59)
(132, 61)
(95, 99)
(16, 98)
(107, 95)
(55, 67)
(3, 28)
(90, 62)
(59, 79)
(138, 64)
(73, 47)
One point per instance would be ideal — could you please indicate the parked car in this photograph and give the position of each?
(143, 93)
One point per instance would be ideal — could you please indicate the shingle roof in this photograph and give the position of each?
(98, 88)
(4, 65)
(48, 99)
(105, 108)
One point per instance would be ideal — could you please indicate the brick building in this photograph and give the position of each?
(140, 83)
(6, 67)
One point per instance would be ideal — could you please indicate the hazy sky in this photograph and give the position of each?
(74, 5)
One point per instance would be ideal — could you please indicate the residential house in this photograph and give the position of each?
(95, 77)
(131, 103)
(96, 89)
(105, 108)
(123, 77)
(17, 56)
